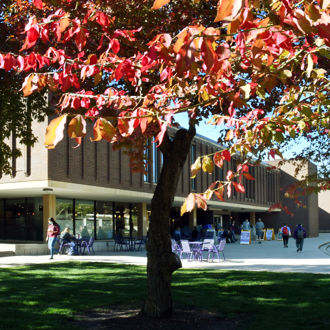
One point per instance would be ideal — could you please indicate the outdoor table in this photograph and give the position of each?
(196, 247)
(131, 243)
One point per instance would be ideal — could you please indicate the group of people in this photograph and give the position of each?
(53, 232)
(299, 235)
(229, 233)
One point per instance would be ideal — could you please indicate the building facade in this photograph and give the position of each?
(92, 190)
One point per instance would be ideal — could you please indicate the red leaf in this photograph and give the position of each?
(115, 46)
(226, 155)
(76, 104)
(81, 39)
(231, 109)
(239, 187)
(38, 4)
(245, 168)
(208, 54)
(9, 62)
(272, 153)
(102, 19)
(248, 176)
(218, 159)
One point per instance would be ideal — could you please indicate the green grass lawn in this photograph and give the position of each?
(45, 296)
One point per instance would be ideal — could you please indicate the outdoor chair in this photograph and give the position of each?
(220, 247)
(208, 246)
(176, 248)
(138, 243)
(64, 248)
(186, 249)
(88, 245)
(121, 244)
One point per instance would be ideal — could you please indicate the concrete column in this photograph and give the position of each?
(49, 210)
(252, 218)
(193, 218)
(142, 219)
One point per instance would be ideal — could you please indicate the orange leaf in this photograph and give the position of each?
(219, 194)
(64, 23)
(54, 132)
(188, 205)
(77, 127)
(248, 176)
(159, 4)
(201, 202)
(27, 85)
(228, 9)
(229, 135)
(103, 129)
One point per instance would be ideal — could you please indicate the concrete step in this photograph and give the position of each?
(6, 253)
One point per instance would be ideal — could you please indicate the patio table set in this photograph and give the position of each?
(199, 250)
(78, 246)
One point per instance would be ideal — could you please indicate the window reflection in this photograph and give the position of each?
(64, 213)
(104, 220)
(84, 218)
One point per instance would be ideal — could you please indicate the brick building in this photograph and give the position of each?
(92, 190)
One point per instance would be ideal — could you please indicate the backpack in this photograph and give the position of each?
(300, 233)
(285, 231)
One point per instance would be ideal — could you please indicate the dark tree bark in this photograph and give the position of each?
(162, 262)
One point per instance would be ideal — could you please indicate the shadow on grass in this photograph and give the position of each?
(46, 296)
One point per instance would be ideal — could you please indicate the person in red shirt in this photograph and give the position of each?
(52, 233)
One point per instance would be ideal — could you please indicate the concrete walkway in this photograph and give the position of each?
(267, 256)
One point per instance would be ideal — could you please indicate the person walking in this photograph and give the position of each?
(52, 233)
(299, 235)
(260, 230)
(286, 233)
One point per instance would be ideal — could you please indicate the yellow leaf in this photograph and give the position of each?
(195, 168)
(54, 132)
(159, 4)
(207, 164)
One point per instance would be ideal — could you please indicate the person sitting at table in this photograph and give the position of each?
(68, 239)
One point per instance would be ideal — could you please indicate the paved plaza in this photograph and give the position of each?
(267, 256)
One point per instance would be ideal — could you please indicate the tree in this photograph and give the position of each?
(254, 68)
(17, 113)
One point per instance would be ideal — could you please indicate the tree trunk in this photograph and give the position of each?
(162, 262)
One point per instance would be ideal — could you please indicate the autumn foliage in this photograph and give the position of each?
(254, 68)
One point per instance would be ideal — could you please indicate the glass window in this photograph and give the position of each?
(84, 218)
(104, 220)
(15, 219)
(34, 219)
(64, 213)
